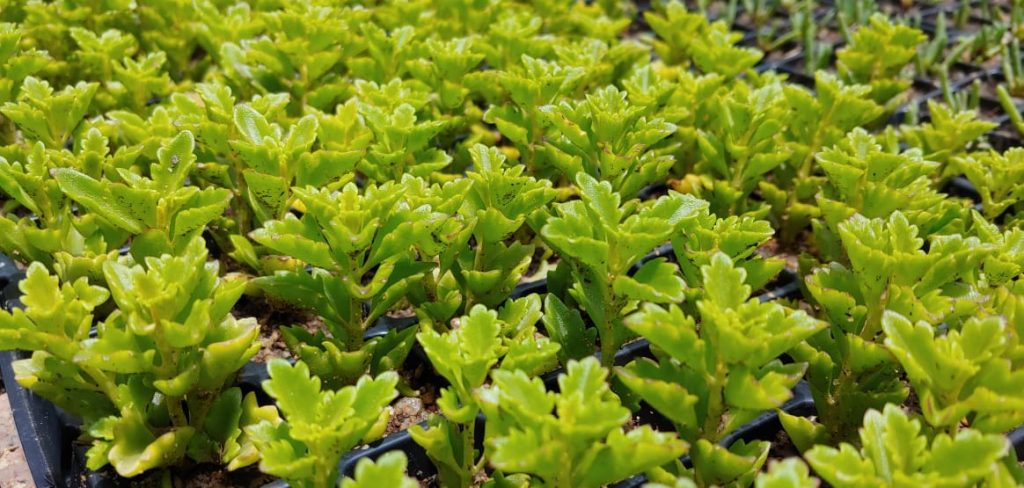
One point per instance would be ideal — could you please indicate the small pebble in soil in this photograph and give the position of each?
(407, 412)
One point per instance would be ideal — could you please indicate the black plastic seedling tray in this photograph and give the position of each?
(765, 427)
(48, 434)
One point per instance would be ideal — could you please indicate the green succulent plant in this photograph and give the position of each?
(894, 451)
(359, 246)
(154, 385)
(600, 237)
(465, 357)
(710, 378)
(572, 438)
(318, 426)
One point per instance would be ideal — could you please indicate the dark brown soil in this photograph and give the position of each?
(782, 446)
(783, 53)
(909, 7)
(765, 20)
(271, 315)
(912, 404)
(916, 93)
(959, 72)
(271, 346)
(714, 9)
(541, 255)
(632, 424)
(215, 477)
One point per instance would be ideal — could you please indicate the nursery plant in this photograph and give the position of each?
(1012, 112)
(894, 450)
(610, 139)
(850, 371)
(600, 238)
(465, 357)
(47, 115)
(358, 244)
(274, 161)
(689, 38)
(740, 145)
(159, 211)
(317, 426)
(1013, 67)
(572, 438)
(867, 180)
(500, 199)
(154, 384)
(389, 470)
(877, 55)
(976, 359)
(531, 84)
(73, 244)
(16, 64)
(818, 122)
(710, 378)
(738, 238)
(947, 135)
(996, 177)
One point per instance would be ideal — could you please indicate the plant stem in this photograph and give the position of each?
(168, 369)
(713, 421)
(803, 172)
(468, 440)
(608, 347)
(177, 413)
(565, 474)
(354, 326)
(106, 385)
(478, 265)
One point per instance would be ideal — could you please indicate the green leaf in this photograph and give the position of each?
(787, 473)
(657, 388)
(176, 159)
(580, 428)
(566, 327)
(128, 208)
(443, 442)
(293, 388)
(638, 450)
(656, 281)
(724, 283)
(388, 470)
(601, 200)
(465, 355)
(319, 425)
(670, 330)
(136, 450)
(251, 124)
(738, 463)
(803, 432)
